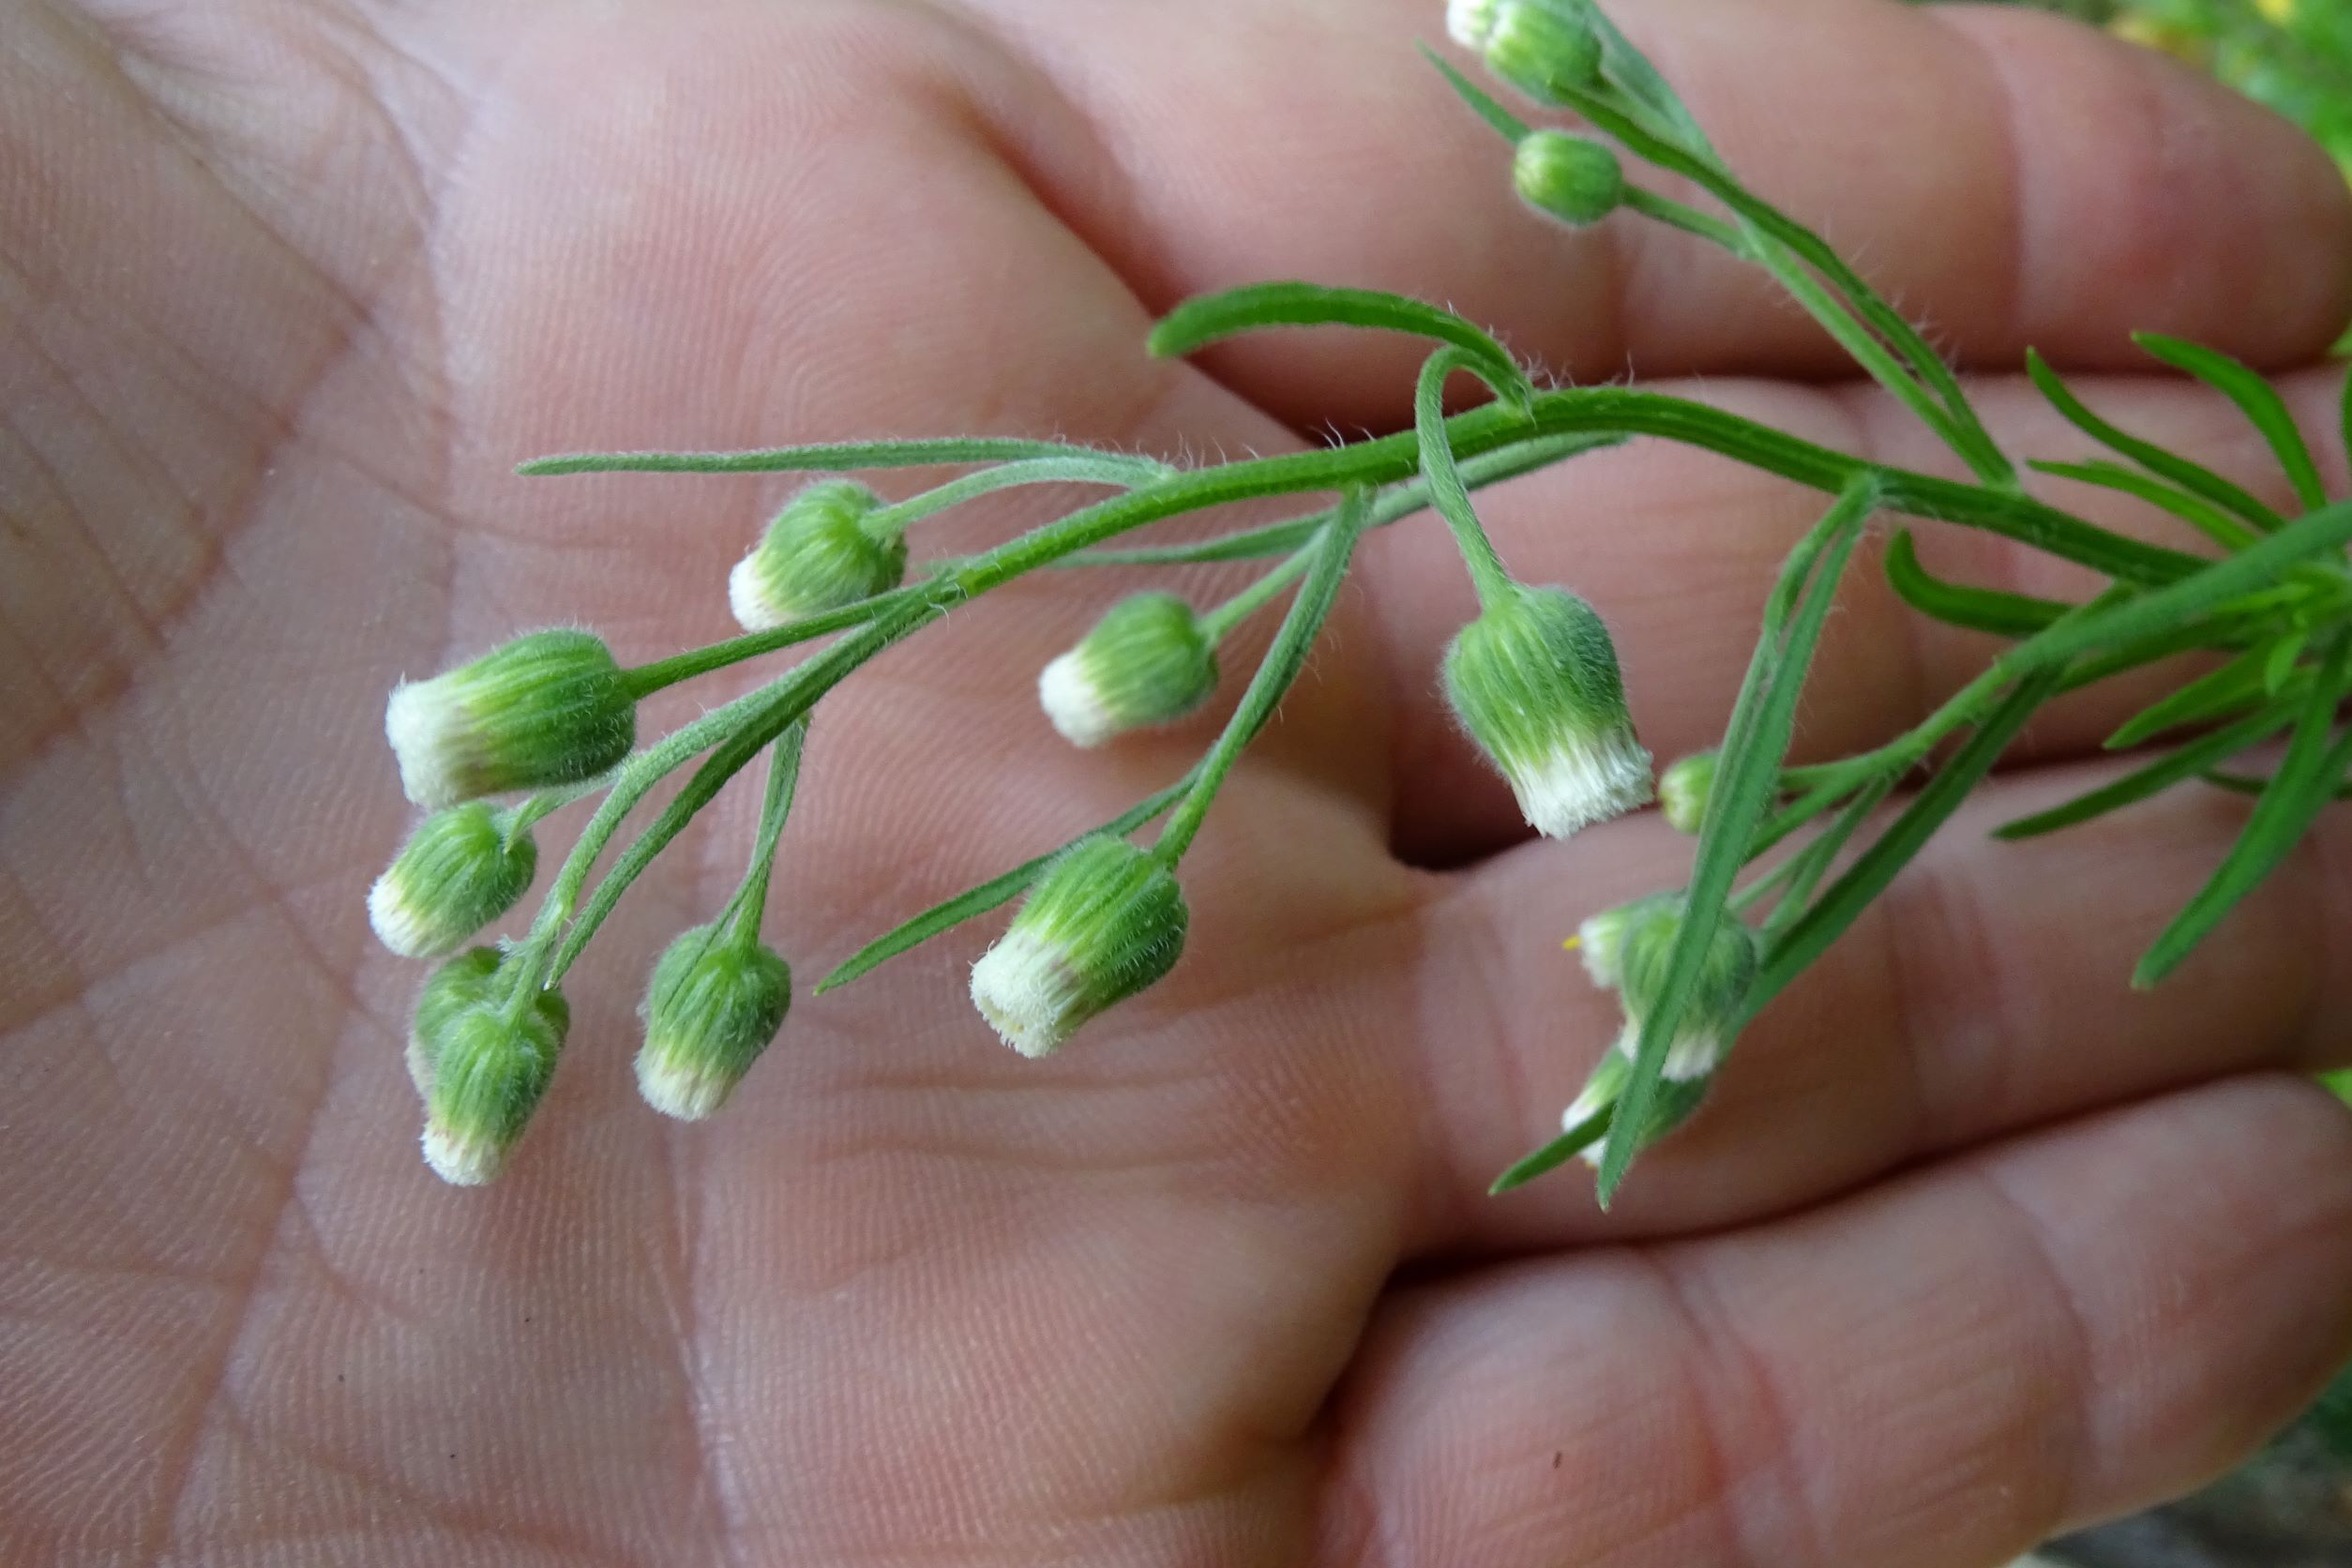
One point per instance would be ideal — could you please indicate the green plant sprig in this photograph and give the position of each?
(2268, 595)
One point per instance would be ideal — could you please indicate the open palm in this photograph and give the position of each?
(1971, 1242)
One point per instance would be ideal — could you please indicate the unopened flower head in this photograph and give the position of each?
(1534, 681)
(1704, 1033)
(551, 707)
(1601, 940)
(1148, 661)
(1106, 920)
(1544, 47)
(1471, 23)
(1670, 1105)
(1683, 789)
(712, 1006)
(459, 871)
(487, 1077)
(819, 555)
(452, 988)
(1568, 177)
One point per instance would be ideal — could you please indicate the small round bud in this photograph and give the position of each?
(487, 1077)
(1683, 789)
(1542, 50)
(1576, 181)
(711, 1009)
(1471, 23)
(1147, 661)
(462, 983)
(817, 555)
(1534, 681)
(1601, 940)
(455, 874)
(1704, 1035)
(551, 707)
(1105, 920)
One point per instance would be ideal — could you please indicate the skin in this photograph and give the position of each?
(1969, 1243)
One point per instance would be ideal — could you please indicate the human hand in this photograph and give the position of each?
(1969, 1241)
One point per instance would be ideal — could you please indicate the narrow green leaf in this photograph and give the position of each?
(2203, 515)
(1255, 307)
(2177, 767)
(1630, 69)
(2211, 696)
(2297, 793)
(1559, 1152)
(2193, 477)
(1484, 104)
(992, 893)
(1959, 605)
(2253, 784)
(2279, 661)
(2256, 398)
(1747, 776)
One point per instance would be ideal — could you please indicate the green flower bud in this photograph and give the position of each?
(551, 707)
(487, 1075)
(1704, 1035)
(1670, 1107)
(455, 874)
(1534, 681)
(1147, 661)
(1472, 23)
(817, 555)
(1541, 47)
(1105, 920)
(462, 983)
(1683, 789)
(1601, 940)
(712, 1008)
(1576, 181)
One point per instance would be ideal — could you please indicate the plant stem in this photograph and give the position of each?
(1219, 623)
(1447, 492)
(749, 905)
(1085, 468)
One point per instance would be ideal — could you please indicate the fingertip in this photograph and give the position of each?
(2146, 196)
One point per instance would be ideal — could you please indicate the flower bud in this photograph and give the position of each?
(455, 874)
(1601, 940)
(1148, 661)
(1540, 48)
(817, 555)
(1570, 178)
(1683, 789)
(451, 989)
(1105, 920)
(1534, 681)
(1670, 1107)
(487, 1075)
(1703, 1037)
(551, 707)
(1471, 23)
(712, 1006)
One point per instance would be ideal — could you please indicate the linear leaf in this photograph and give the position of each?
(2177, 767)
(1255, 307)
(2302, 787)
(2256, 398)
(992, 893)
(1747, 776)
(2209, 697)
(2193, 477)
(1959, 604)
(831, 457)
(1559, 1152)
(1482, 103)
(2199, 514)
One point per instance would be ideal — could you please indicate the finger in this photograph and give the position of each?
(2012, 178)
(1939, 1373)
(1678, 551)
(1985, 991)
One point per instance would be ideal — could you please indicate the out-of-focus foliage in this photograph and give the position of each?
(2295, 55)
